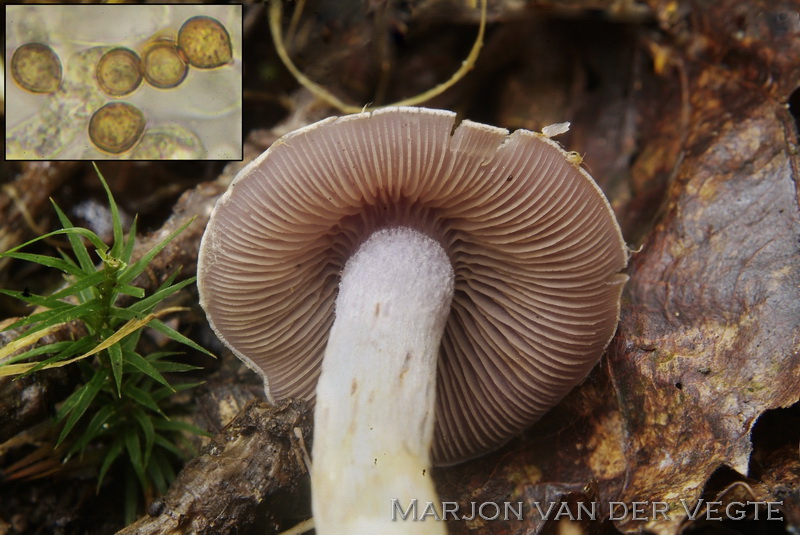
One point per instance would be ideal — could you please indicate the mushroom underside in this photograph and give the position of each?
(534, 246)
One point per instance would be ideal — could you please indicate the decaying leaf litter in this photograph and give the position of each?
(681, 113)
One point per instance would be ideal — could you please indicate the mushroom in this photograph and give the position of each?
(437, 288)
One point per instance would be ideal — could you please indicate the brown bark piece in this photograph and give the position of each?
(709, 338)
(710, 333)
(249, 476)
(22, 200)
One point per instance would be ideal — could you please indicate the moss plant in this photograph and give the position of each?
(120, 410)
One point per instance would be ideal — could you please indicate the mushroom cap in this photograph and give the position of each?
(535, 247)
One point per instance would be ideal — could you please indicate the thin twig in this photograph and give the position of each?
(275, 15)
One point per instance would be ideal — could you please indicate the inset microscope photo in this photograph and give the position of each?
(110, 81)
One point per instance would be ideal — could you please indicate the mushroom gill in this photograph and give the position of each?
(535, 248)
